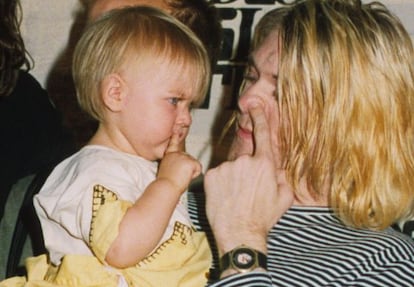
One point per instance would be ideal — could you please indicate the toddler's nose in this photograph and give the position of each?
(184, 119)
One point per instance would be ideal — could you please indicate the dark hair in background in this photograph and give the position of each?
(13, 54)
(199, 15)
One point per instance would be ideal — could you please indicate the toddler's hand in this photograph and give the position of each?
(182, 135)
(178, 167)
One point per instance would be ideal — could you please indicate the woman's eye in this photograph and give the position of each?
(249, 78)
(250, 75)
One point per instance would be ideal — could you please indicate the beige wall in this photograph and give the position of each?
(48, 24)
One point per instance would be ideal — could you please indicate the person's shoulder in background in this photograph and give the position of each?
(32, 131)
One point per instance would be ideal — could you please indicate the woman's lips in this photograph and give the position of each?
(244, 133)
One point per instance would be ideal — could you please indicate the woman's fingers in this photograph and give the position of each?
(261, 133)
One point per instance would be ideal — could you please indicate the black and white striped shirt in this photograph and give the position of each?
(311, 247)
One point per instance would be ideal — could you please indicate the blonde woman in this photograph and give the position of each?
(322, 160)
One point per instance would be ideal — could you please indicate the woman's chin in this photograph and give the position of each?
(239, 147)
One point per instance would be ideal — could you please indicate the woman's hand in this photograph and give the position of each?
(246, 197)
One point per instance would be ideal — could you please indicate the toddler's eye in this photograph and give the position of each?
(174, 101)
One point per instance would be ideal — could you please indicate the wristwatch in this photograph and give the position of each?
(243, 259)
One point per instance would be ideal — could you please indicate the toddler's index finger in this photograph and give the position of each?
(174, 144)
(261, 132)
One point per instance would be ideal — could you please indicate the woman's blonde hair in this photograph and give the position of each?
(135, 34)
(346, 94)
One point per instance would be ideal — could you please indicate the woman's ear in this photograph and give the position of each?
(114, 91)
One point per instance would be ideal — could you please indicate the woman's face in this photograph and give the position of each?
(259, 88)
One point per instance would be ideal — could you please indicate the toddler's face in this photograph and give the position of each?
(158, 101)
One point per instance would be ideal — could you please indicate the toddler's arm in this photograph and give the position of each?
(145, 222)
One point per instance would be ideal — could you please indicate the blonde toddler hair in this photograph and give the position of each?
(133, 35)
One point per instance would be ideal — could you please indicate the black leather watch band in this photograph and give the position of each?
(243, 259)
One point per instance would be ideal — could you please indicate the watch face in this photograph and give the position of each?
(243, 258)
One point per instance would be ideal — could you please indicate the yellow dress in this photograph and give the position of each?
(182, 260)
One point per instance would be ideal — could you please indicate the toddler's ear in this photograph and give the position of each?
(113, 89)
